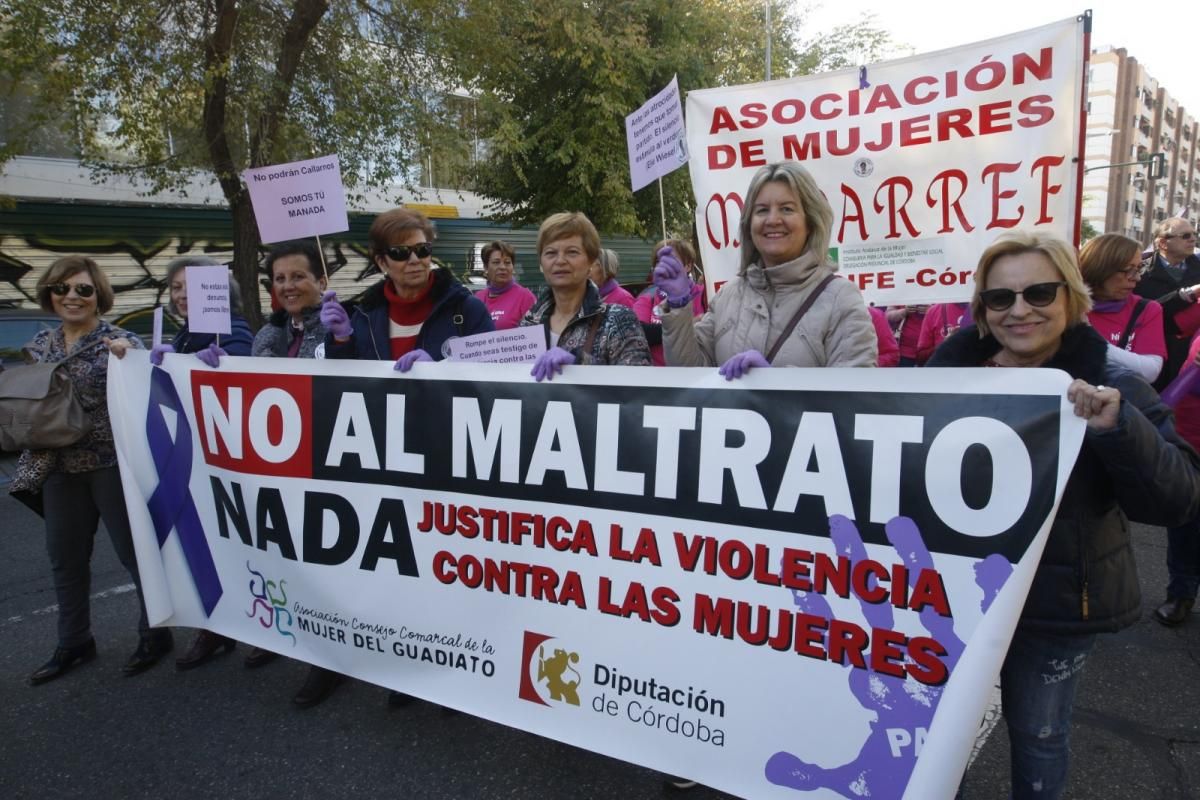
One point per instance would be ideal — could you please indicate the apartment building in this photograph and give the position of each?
(1131, 117)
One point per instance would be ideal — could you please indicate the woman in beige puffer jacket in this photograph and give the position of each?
(785, 230)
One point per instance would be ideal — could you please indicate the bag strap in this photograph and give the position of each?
(591, 335)
(791, 326)
(1137, 311)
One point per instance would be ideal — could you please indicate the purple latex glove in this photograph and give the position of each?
(671, 278)
(404, 363)
(334, 317)
(158, 351)
(550, 363)
(211, 355)
(740, 364)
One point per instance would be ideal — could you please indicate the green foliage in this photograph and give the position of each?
(135, 79)
(556, 80)
(1087, 231)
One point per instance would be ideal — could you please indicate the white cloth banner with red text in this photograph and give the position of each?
(925, 160)
(802, 583)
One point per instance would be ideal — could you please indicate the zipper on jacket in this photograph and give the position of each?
(1081, 522)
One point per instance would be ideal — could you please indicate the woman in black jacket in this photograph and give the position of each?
(1030, 307)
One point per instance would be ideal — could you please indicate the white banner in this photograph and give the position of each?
(777, 584)
(924, 161)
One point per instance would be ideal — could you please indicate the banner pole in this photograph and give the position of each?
(662, 208)
(321, 250)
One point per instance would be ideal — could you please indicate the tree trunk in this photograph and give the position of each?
(246, 245)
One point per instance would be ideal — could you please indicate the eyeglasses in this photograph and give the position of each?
(1131, 272)
(1037, 294)
(403, 252)
(1187, 237)
(84, 290)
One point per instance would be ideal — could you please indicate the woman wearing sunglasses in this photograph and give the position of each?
(410, 314)
(1030, 310)
(80, 483)
(1133, 326)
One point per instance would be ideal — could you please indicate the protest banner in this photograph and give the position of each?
(924, 160)
(298, 200)
(512, 346)
(654, 135)
(803, 580)
(208, 296)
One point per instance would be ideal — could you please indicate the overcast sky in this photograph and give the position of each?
(1163, 36)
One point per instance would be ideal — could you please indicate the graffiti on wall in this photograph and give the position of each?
(137, 270)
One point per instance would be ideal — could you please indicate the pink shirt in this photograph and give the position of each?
(646, 308)
(613, 293)
(508, 307)
(1187, 412)
(1147, 338)
(941, 320)
(889, 351)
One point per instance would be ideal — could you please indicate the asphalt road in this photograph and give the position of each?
(222, 731)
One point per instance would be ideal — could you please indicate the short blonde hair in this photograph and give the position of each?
(1061, 255)
(569, 223)
(818, 216)
(64, 268)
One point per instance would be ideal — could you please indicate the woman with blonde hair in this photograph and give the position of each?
(786, 306)
(1030, 310)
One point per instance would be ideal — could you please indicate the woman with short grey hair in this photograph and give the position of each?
(603, 273)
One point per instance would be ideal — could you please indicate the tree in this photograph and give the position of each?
(161, 90)
(556, 80)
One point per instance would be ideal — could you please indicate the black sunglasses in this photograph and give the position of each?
(81, 289)
(1037, 294)
(402, 253)
(1187, 237)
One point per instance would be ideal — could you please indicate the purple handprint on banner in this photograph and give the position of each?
(903, 708)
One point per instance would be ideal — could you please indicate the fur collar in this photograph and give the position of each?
(1083, 353)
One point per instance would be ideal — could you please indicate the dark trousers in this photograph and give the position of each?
(1183, 561)
(75, 504)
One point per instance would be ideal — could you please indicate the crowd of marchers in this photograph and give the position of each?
(1125, 325)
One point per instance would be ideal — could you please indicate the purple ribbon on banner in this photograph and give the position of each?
(171, 505)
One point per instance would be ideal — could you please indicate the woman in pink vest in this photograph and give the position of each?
(646, 306)
(1133, 326)
(506, 300)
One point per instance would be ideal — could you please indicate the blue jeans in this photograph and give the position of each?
(1183, 560)
(1037, 687)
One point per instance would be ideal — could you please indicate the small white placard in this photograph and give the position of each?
(514, 346)
(298, 200)
(156, 340)
(208, 299)
(655, 137)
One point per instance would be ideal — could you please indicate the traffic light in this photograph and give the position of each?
(1157, 168)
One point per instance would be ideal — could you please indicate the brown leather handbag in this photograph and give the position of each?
(39, 409)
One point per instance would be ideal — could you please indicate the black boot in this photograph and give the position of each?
(151, 648)
(63, 661)
(258, 657)
(319, 684)
(206, 645)
(1174, 612)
